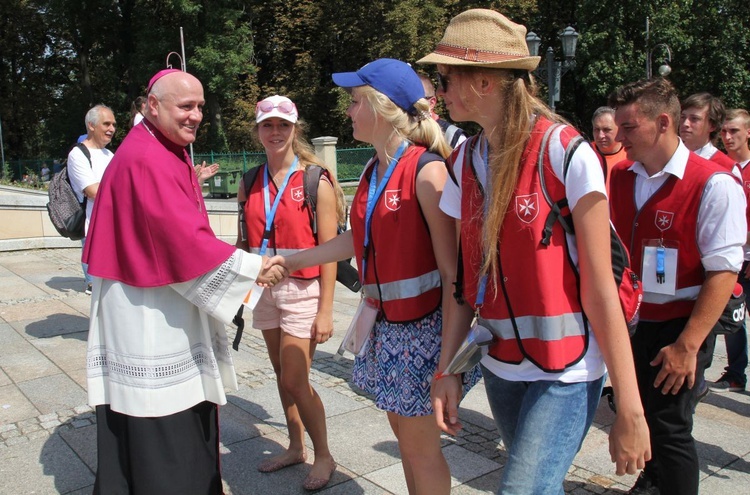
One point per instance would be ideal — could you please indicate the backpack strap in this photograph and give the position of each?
(310, 180)
(248, 179)
(556, 214)
(468, 151)
(87, 154)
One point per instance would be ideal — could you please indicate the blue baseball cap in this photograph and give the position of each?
(394, 78)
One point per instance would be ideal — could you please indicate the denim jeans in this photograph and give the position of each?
(86, 277)
(542, 425)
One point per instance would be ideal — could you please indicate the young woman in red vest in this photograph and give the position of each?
(296, 314)
(554, 328)
(405, 251)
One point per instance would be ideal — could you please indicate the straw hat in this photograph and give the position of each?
(484, 38)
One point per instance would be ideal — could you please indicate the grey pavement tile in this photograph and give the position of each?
(390, 477)
(240, 474)
(72, 325)
(357, 486)
(4, 380)
(83, 442)
(486, 484)
(79, 376)
(52, 393)
(79, 301)
(32, 310)
(734, 479)
(362, 441)
(43, 466)
(466, 465)
(264, 402)
(68, 352)
(14, 406)
(237, 425)
(22, 362)
(18, 289)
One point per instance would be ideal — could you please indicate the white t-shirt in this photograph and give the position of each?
(82, 174)
(584, 177)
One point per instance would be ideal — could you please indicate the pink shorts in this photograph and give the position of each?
(291, 305)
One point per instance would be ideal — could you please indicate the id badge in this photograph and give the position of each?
(358, 334)
(253, 296)
(659, 273)
(471, 351)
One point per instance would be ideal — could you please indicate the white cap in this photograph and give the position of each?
(276, 106)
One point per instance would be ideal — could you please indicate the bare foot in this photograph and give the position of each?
(286, 459)
(320, 474)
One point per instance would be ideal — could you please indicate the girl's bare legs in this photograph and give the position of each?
(425, 467)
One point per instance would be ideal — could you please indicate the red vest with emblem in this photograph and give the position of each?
(291, 230)
(536, 311)
(672, 214)
(401, 268)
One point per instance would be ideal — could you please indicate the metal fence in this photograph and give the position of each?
(350, 162)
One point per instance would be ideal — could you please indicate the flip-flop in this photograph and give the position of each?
(271, 465)
(311, 483)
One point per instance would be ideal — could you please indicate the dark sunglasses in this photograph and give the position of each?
(443, 81)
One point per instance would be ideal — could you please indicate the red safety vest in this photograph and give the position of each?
(723, 160)
(541, 286)
(291, 226)
(672, 214)
(746, 189)
(401, 268)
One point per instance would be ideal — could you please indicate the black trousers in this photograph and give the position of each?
(674, 464)
(169, 455)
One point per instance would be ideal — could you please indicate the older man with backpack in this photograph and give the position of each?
(87, 162)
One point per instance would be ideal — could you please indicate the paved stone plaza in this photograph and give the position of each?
(48, 438)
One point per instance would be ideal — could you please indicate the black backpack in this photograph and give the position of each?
(67, 214)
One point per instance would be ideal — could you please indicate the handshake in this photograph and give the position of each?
(274, 270)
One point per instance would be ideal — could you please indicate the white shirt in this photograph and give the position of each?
(584, 177)
(82, 174)
(722, 228)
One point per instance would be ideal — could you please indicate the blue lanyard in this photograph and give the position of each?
(373, 194)
(271, 211)
(482, 287)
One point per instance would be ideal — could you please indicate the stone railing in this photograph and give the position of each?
(25, 223)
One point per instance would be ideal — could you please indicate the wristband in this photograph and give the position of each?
(440, 375)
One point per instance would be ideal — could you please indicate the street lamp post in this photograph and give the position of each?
(553, 70)
(664, 68)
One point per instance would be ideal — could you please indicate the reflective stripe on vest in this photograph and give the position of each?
(684, 294)
(547, 328)
(404, 289)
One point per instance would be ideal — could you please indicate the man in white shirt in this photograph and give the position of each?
(84, 172)
(735, 133)
(683, 220)
(700, 121)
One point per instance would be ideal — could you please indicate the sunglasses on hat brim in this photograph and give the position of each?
(285, 107)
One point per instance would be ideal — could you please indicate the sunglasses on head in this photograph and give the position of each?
(286, 107)
(443, 81)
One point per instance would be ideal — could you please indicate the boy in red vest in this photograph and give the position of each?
(682, 217)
